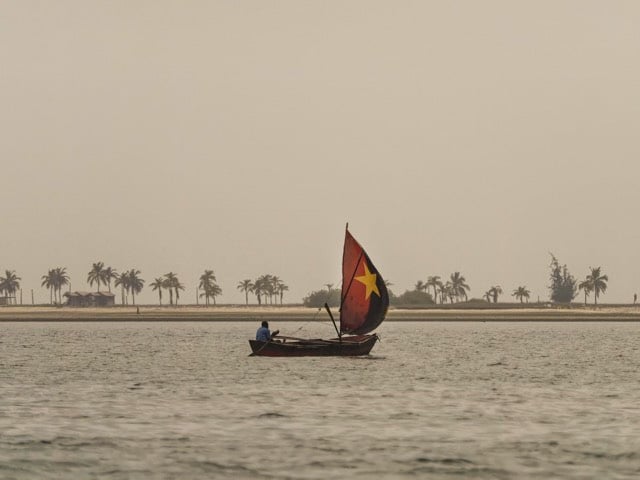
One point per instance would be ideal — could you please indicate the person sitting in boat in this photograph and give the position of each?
(264, 334)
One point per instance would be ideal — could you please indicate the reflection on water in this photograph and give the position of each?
(448, 400)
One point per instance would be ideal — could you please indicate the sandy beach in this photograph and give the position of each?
(297, 313)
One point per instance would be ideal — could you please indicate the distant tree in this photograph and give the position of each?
(597, 283)
(275, 281)
(211, 290)
(443, 291)
(108, 274)
(245, 286)
(420, 286)
(10, 284)
(135, 283)
(318, 298)
(123, 281)
(207, 281)
(158, 285)
(487, 296)
(521, 293)
(96, 274)
(434, 282)
(280, 289)
(414, 298)
(177, 288)
(563, 286)
(585, 286)
(263, 287)
(268, 287)
(48, 282)
(495, 291)
(170, 282)
(62, 279)
(459, 287)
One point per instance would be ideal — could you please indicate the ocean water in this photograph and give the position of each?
(434, 400)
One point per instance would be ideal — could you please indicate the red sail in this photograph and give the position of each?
(365, 299)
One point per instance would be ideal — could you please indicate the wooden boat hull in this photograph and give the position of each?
(346, 347)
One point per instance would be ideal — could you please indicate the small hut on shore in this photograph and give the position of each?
(90, 299)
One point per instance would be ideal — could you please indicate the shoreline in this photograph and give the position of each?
(297, 314)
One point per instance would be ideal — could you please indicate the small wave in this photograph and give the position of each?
(612, 456)
(272, 415)
(444, 461)
(403, 415)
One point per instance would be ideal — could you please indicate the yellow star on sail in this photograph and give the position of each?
(369, 281)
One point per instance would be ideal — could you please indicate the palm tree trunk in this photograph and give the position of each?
(246, 297)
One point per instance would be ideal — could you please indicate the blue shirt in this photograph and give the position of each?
(263, 334)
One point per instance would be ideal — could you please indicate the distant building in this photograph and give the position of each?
(90, 299)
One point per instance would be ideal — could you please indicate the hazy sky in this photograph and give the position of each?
(242, 135)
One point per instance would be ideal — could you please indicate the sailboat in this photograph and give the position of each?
(363, 306)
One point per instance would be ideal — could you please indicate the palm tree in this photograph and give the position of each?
(122, 281)
(274, 282)
(597, 282)
(267, 287)
(177, 287)
(158, 284)
(420, 286)
(449, 292)
(459, 285)
(487, 296)
(49, 283)
(262, 287)
(245, 286)
(585, 286)
(135, 283)
(60, 279)
(434, 282)
(211, 290)
(107, 275)
(170, 280)
(96, 274)
(442, 290)
(10, 284)
(495, 292)
(521, 292)
(280, 289)
(173, 285)
(207, 280)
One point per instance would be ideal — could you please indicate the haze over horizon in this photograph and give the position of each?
(241, 136)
